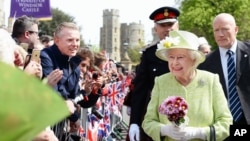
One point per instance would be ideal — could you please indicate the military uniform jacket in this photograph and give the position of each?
(149, 67)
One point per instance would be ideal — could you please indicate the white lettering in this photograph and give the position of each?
(243, 131)
(24, 9)
(30, 5)
(237, 132)
(240, 132)
(30, 1)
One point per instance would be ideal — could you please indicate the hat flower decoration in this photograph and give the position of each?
(179, 40)
(168, 42)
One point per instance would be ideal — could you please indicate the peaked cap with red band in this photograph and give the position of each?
(165, 14)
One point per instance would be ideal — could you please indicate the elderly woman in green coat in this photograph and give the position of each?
(206, 104)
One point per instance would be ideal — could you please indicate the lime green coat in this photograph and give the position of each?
(207, 104)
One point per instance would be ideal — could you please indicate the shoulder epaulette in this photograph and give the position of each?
(149, 45)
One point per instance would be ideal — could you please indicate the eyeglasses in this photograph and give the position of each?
(31, 32)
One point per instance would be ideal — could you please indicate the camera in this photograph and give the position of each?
(98, 114)
(94, 75)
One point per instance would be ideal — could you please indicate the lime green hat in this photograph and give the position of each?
(179, 39)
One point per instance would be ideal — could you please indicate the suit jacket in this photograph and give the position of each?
(206, 105)
(149, 67)
(213, 64)
(68, 87)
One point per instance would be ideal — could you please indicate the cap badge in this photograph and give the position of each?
(165, 12)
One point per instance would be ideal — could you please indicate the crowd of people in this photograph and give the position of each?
(78, 75)
(88, 85)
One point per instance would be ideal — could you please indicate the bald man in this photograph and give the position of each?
(225, 31)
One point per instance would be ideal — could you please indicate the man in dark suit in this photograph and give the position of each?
(165, 19)
(225, 31)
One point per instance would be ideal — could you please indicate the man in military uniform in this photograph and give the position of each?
(165, 19)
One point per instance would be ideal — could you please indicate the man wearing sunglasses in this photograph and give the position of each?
(25, 30)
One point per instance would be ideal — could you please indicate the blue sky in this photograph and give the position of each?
(88, 14)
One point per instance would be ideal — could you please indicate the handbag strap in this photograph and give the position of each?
(212, 133)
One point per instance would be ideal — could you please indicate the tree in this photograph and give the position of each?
(134, 54)
(197, 16)
(58, 16)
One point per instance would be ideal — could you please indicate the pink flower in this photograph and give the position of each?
(175, 108)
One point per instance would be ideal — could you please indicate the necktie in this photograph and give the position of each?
(234, 101)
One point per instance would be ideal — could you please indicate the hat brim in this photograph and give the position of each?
(166, 21)
(161, 53)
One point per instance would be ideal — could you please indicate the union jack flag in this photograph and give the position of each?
(93, 131)
(114, 89)
(92, 119)
(93, 125)
(101, 130)
(106, 120)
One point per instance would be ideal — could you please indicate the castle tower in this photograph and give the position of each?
(132, 34)
(124, 39)
(110, 34)
(136, 34)
(116, 37)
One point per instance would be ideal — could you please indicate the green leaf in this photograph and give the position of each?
(27, 105)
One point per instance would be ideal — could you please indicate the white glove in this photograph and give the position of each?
(128, 110)
(194, 133)
(172, 131)
(134, 132)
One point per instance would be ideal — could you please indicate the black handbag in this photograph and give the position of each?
(212, 133)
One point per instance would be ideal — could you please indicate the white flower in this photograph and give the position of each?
(168, 42)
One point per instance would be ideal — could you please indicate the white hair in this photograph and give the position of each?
(194, 55)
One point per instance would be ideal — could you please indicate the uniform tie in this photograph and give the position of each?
(234, 101)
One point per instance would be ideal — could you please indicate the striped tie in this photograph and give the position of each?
(234, 101)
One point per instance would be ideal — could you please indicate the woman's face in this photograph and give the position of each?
(180, 63)
(84, 65)
(102, 65)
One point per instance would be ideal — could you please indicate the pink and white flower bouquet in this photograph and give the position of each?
(175, 108)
